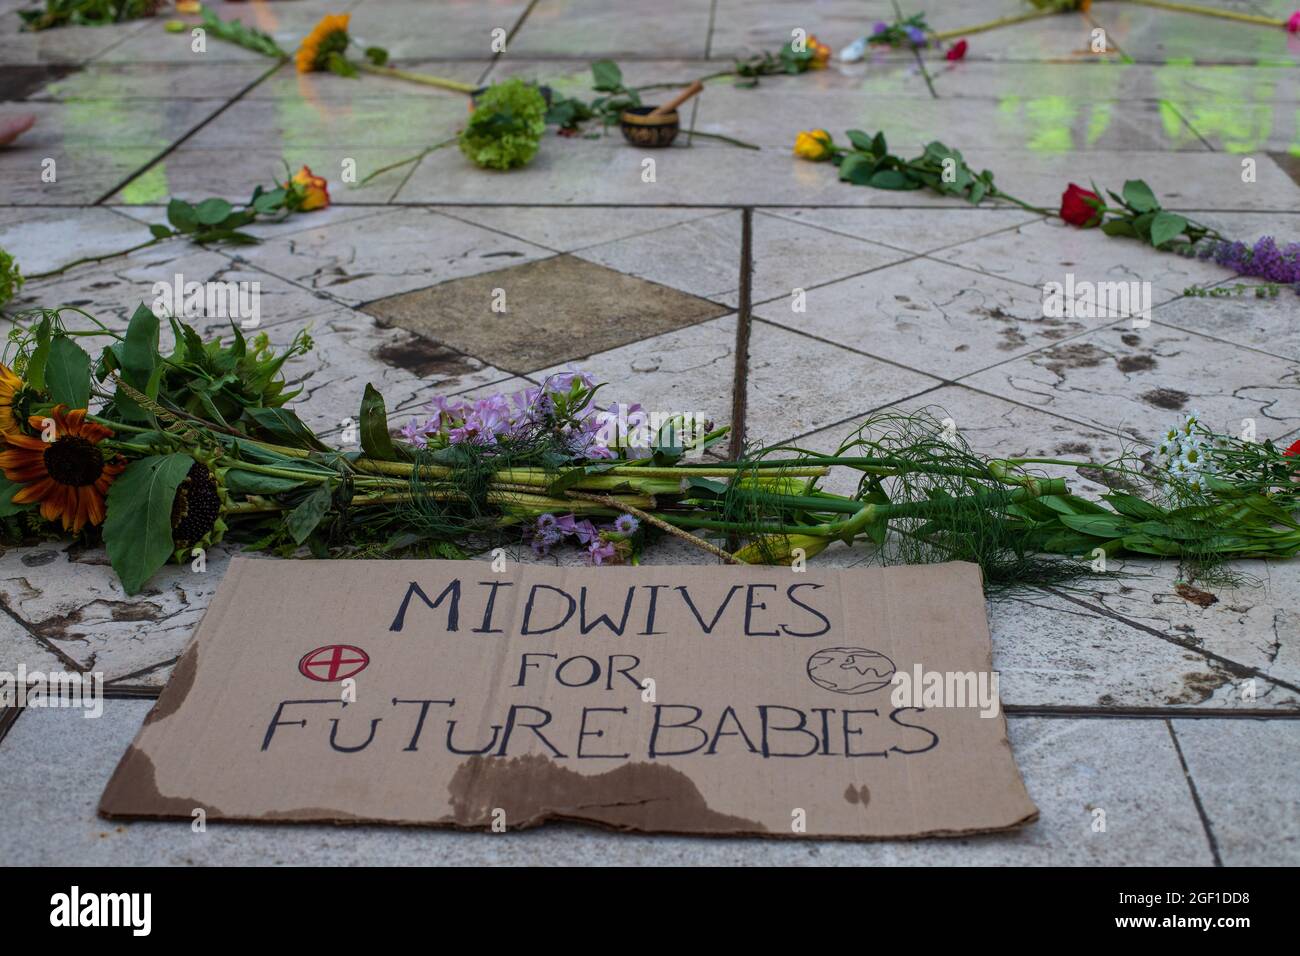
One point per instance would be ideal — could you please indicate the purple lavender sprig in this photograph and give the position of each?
(1264, 260)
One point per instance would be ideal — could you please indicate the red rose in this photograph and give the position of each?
(1293, 451)
(1079, 207)
(957, 51)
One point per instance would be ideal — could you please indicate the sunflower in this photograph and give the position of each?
(69, 475)
(328, 36)
(198, 510)
(10, 387)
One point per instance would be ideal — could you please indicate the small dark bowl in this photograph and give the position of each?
(642, 129)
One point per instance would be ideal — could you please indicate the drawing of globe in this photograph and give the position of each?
(850, 670)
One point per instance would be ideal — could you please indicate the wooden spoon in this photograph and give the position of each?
(681, 98)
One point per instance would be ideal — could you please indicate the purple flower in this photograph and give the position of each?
(601, 551)
(880, 27)
(1264, 259)
(414, 433)
(916, 35)
(626, 524)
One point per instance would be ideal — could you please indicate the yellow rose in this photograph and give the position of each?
(313, 191)
(820, 51)
(814, 144)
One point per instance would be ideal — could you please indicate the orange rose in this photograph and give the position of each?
(312, 191)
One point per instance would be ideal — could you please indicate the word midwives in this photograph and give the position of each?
(755, 610)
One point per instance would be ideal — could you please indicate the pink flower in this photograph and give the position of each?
(1293, 24)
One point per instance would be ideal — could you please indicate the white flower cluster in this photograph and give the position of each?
(1187, 453)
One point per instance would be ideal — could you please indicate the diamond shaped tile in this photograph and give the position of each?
(557, 310)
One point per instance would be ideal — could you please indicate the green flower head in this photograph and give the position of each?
(506, 126)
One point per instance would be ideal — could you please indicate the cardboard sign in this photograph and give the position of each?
(718, 700)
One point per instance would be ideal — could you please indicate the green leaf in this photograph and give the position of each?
(182, 215)
(377, 55)
(606, 76)
(893, 179)
(1134, 507)
(159, 231)
(860, 140)
(35, 373)
(375, 439)
(212, 211)
(857, 168)
(1119, 227)
(339, 65)
(302, 520)
(242, 482)
(1139, 196)
(138, 355)
(138, 527)
(67, 373)
(283, 427)
(7, 491)
(1166, 226)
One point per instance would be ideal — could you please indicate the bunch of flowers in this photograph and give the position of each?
(560, 408)
(1184, 457)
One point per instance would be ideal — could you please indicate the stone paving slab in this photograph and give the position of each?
(1071, 768)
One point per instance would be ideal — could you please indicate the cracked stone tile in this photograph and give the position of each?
(1053, 127)
(686, 371)
(195, 174)
(44, 239)
(394, 121)
(1070, 767)
(746, 27)
(17, 646)
(1141, 381)
(1242, 318)
(798, 385)
(1161, 36)
(72, 599)
(351, 351)
(598, 28)
(574, 228)
(396, 252)
(929, 316)
(1253, 622)
(556, 310)
(446, 29)
(112, 290)
(702, 257)
(1246, 775)
(1052, 652)
(1191, 180)
(74, 46)
(114, 82)
(1048, 251)
(85, 175)
(914, 230)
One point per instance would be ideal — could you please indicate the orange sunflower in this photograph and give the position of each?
(328, 36)
(10, 386)
(69, 476)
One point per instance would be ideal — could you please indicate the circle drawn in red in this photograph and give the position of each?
(333, 662)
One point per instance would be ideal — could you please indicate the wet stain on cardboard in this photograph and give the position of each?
(133, 792)
(178, 687)
(858, 795)
(532, 789)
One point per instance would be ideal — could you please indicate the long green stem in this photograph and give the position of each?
(424, 79)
